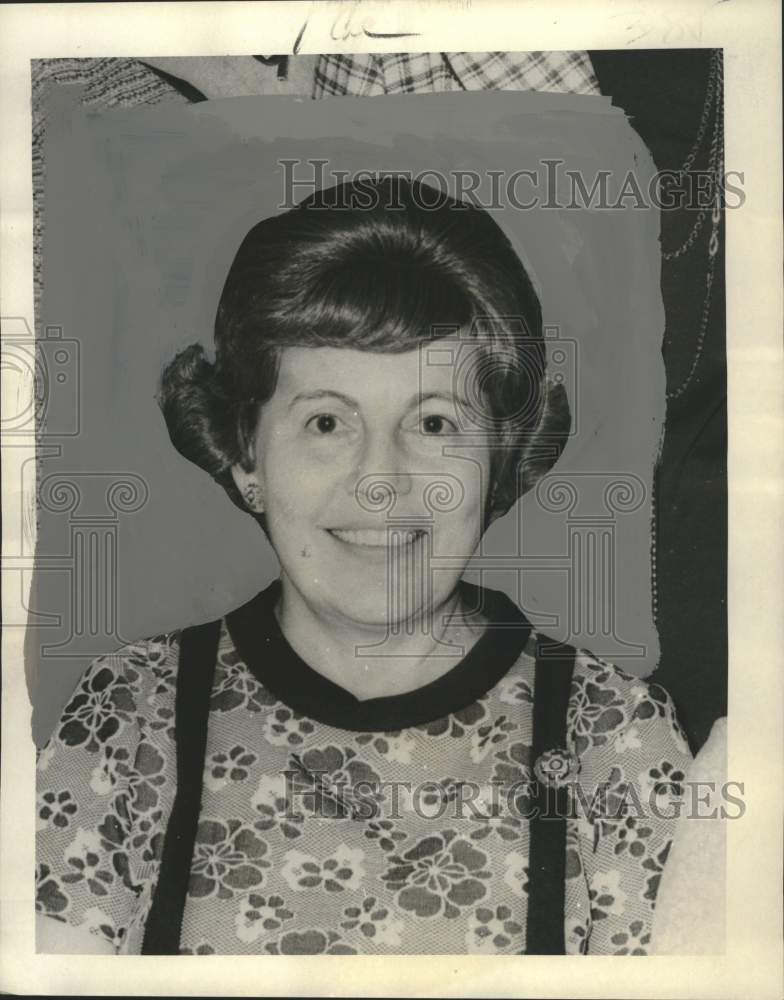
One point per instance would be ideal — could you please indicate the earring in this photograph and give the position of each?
(254, 497)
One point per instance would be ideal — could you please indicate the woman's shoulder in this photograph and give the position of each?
(138, 676)
(141, 661)
(609, 705)
(151, 656)
(125, 695)
(646, 697)
(116, 693)
(146, 667)
(602, 690)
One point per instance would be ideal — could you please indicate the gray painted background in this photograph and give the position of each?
(144, 210)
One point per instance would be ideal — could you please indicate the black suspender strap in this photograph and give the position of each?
(554, 768)
(198, 651)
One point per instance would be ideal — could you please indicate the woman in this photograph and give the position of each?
(371, 755)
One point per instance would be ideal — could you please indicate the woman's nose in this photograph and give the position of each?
(382, 474)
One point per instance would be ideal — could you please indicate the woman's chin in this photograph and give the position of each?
(369, 605)
(375, 610)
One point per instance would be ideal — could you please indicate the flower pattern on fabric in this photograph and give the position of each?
(632, 836)
(605, 806)
(260, 914)
(228, 858)
(497, 813)
(155, 658)
(236, 687)
(57, 808)
(285, 727)
(86, 862)
(394, 746)
(458, 723)
(310, 942)
(385, 833)
(516, 872)
(114, 834)
(453, 848)
(146, 778)
(49, 895)
(103, 704)
(374, 921)
(492, 931)
(574, 863)
(632, 941)
(488, 737)
(223, 767)
(664, 782)
(434, 797)
(576, 935)
(655, 864)
(147, 836)
(601, 670)
(513, 776)
(627, 739)
(113, 768)
(605, 895)
(342, 870)
(653, 701)
(438, 875)
(162, 721)
(515, 765)
(273, 806)
(515, 691)
(97, 922)
(595, 714)
(343, 775)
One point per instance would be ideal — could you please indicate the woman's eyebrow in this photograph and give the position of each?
(416, 399)
(302, 397)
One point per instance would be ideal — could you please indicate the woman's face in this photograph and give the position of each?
(374, 478)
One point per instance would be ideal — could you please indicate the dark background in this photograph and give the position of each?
(663, 92)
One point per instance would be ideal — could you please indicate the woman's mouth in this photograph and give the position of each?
(377, 538)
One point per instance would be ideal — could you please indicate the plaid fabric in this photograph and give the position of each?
(421, 72)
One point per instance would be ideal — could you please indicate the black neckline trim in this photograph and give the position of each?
(258, 638)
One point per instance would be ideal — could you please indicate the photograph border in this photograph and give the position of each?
(749, 34)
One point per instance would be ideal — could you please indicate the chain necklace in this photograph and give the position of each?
(712, 110)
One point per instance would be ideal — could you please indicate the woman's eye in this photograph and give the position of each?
(323, 423)
(434, 423)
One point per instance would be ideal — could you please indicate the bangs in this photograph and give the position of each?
(379, 305)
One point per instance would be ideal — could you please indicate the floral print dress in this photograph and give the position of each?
(330, 826)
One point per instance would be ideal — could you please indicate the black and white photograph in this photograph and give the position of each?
(373, 487)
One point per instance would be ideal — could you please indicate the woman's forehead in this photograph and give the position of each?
(435, 365)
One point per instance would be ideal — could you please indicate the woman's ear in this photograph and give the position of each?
(250, 487)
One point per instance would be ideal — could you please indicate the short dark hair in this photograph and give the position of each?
(384, 279)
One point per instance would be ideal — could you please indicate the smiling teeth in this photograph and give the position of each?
(376, 539)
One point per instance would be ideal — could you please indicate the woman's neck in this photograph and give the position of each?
(412, 656)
